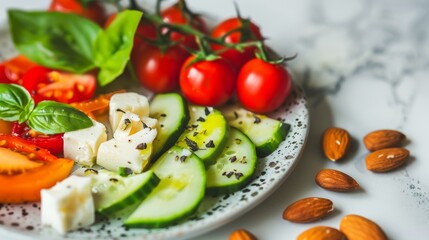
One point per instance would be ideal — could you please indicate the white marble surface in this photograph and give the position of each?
(364, 66)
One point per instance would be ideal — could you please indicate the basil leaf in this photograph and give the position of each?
(53, 39)
(113, 46)
(51, 117)
(15, 103)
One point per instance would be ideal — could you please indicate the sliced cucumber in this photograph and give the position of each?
(112, 192)
(266, 133)
(172, 113)
(235, 166)
(206, 133)
(178, 195)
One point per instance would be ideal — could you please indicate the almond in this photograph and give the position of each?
(335, 180)
(335, 143)
(385, 138)
(321, 233)
(387, 159)
(308, 210)
(241, 234)
(356, 227)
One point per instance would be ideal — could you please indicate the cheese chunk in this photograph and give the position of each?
(82, 145)
(68, 205)
(121, 103)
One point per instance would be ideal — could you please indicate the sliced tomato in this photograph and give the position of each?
(12, 70)
(95, 106)
(26, 169)
(5, 126)
(54, 143)
(46, 84)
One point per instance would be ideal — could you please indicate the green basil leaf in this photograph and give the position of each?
(15, 103)
(54, 39)
(51, 117)
(113, 46)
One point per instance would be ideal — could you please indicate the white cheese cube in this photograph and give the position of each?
(82, 145)
(129, 124)
(132, 152)
(68, 205)
(121, 103)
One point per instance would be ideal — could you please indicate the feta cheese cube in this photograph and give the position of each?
(121, 103)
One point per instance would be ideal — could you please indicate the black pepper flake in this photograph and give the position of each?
(191, 144)
(183, 158)
(162, 125)
(163, 115)
(37, 149)
(210, 144)
(195, 134)
(233, 159)
(29, 228)
(14, 224)
(257, 119)
(238, 175)
(236, 115)
(194, 125)
(206, 111)
(113, 180)
(120, 110)
(91, 170)
(237, 141)
(141, 146)
(201, 119)
(228, 175)
(144, 125)
(176, 158)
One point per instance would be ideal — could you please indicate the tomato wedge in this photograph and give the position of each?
(40, 170)
(12, 70)
(95, 106)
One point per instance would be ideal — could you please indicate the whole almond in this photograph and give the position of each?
(308, 210)
(384, 138)
(387, 159)
(321, 233)
(335, 143)
(356, 227)
(335, 180)
(241, 234)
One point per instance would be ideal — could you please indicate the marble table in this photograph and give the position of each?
(364, 66)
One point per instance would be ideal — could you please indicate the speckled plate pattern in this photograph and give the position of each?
(23, 221)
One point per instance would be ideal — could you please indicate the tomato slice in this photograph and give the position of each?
(47, 84)
(12, 70)
(95, 106)
(25, 186)
(54, 143)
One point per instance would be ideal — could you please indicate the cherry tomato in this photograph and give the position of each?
(208, 83)
(159, 70)
(237, 58)
(4, 78)
(93, 11)
(174, 15)
(26, 169)
(54, 143)
(12, 70)
(262, 87)
(47, 84)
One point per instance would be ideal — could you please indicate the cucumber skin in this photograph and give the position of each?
(173, 220)
(176, 134)
(270, 146)
(136, 197)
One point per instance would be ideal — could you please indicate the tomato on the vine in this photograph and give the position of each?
(226, 28)
(47, 84)
(208, 83)
(262, 87)
(93, 10)
(158, 70)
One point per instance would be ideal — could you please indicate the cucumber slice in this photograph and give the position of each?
(235, 166)
(178, 195)
(112, 192)
(266, 133)
(172, 113)
(206, 133)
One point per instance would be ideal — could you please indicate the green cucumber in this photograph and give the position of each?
(172, 113)
(177, 196)
(112, 192)
(206, 133)
(234, 168)
(266, 133)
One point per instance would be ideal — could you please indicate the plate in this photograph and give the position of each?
(23, 221)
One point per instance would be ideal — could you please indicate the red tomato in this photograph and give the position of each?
(94, 11)
(54, 143)
(208, 83)
(237, 58)
(47, 84)
(262, 87)
(159, 71)
(11, 70)
(174, 15)
(4, 78)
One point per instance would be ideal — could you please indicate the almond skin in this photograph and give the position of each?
(335, 180)
(335, 143)
(387, 159)
(308, 210)
(384, 138)
(321, 233)
(241, 234)
(356, 227)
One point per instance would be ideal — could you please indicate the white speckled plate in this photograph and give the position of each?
(23, 221)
